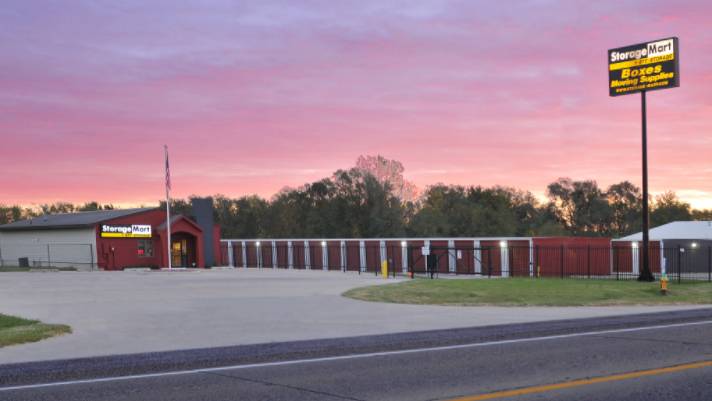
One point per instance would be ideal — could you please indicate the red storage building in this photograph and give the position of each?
(109, 240)
(495, 256)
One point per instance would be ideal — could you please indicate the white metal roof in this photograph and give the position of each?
(676, 230)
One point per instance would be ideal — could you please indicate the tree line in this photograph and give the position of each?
(373, 199)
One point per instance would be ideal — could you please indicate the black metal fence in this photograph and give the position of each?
(619, 263)
(566, 262)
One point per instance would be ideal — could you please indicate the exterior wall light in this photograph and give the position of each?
(323, 243)
(257, 243)
(404, 244)
(633, 245)
(694, 245)
(503, 244)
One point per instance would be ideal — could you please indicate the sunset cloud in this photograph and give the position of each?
(255, 96)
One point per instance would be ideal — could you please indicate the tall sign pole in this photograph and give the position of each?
(168, 209)
(641, 68)
(645, 273)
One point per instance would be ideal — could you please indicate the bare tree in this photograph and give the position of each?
(390, 172)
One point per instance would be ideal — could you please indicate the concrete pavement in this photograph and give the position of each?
(131, 312)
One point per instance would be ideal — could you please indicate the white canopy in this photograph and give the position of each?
(701, 230)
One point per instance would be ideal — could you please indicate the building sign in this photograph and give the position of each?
(643, 67)
(126, 231)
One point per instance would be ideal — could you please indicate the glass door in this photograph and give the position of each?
(179, 253)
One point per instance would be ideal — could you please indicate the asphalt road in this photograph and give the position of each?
(588, 359)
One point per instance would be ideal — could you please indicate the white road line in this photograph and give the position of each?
(350, 356)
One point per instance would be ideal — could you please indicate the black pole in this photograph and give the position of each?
(709, 263)
(679, 263)
(645, 274)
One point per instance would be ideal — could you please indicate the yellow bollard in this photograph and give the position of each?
(384, 269)
(664, 284)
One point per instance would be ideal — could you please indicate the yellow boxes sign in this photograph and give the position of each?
(644, 67)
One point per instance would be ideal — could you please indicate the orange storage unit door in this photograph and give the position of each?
(353, 258)
(282, 254)
(298, 254)
(251, 250)
(465, 257)
(237, 254)
(373, 256)
(491, 258)
(518, 254)
(655, 257)
(266, 251)
(416, 260)
(334, 255)
(441, 250)
(315, 255)
(394, 254)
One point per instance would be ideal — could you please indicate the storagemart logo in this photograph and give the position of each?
(643, 67)
(126, 231)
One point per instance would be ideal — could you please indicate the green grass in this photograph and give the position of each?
(533, 292)
(16, 330)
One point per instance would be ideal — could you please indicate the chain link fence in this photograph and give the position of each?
(47, 256)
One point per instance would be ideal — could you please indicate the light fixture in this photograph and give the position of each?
(257, 243)
(503, 244)
(323, 243)
(694, 245)
(404, 244)
(634, 244)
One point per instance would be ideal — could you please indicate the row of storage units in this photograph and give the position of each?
(519, 256)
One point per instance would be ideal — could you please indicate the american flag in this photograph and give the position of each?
(168, 169)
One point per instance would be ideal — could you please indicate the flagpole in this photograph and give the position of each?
(168, 209)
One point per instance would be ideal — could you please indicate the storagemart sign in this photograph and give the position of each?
(126, 231)
(644, 67)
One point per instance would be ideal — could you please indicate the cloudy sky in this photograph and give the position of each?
(252, 96)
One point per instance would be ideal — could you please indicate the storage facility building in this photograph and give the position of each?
(680, 246)
(109, 240)
(491, 256)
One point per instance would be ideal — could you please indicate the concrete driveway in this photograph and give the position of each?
(129, 312)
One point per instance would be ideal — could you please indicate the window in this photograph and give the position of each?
(145, 248)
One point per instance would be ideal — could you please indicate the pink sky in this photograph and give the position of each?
(255, 96)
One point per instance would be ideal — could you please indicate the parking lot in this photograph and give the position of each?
(129, 312)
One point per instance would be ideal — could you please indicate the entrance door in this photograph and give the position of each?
(179, 253)
(183, 250)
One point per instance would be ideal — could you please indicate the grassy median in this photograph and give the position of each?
(16, 330)
(533, 292)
